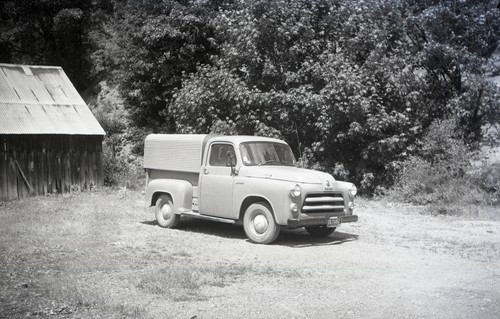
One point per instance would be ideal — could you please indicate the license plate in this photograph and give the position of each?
(333, 222)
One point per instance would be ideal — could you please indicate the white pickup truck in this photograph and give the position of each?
(246, 180)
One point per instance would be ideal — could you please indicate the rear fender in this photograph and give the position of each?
(181, 192)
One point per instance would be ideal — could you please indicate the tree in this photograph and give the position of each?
(50, 32)
(357, 83)
(149, 45)
(351, 85)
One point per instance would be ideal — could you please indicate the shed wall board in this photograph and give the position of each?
(11, 178)
(3, 171)
(49, 163)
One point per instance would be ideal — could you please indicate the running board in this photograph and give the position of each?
(206, 217)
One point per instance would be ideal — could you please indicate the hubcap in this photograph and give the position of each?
(260, 224)
(166, 211)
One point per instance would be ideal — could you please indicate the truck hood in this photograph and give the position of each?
(289, 174)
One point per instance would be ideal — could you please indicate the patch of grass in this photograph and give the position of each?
(50, 245)
(184, 282)
(81, 255)
(182, 253)
(127, 311)
(88, 304)
(281, 272)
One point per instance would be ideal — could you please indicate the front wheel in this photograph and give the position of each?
(165, 214)
(320, 231)
(259, 224)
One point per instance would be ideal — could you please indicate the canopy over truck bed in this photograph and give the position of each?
(176, 156)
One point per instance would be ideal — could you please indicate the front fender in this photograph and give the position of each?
(272, 191)
(181, 192)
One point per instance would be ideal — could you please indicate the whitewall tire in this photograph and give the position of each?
(259, 224)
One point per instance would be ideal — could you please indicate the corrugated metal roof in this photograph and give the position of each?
(42, 100)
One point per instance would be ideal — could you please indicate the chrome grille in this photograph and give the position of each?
(323, 203)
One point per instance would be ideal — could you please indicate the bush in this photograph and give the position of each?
(124, 171)
(487, 177)
(423, 183)
(443, 173)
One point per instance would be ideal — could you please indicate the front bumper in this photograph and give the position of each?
(320, 221)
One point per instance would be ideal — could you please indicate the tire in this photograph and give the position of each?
(320, 231)
(259, 224)
(165, 214)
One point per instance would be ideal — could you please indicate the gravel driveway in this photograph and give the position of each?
(96, 256)
(397, 262)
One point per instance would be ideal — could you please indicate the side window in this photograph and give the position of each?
(221, 155)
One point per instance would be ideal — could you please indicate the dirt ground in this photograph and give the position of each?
(97, 256)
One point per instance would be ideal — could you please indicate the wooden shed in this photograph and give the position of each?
(50, 142)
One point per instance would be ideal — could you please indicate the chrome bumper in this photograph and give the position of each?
(320, 221)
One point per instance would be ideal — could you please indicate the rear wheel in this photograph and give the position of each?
(165, 214)
(320, 231)
(259, 224)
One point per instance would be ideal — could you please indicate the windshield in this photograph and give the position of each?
(266, 153)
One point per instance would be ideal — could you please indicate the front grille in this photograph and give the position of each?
(323, 203)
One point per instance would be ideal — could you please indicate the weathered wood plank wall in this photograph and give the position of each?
(49, 164)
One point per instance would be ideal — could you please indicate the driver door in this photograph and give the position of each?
(216, 187)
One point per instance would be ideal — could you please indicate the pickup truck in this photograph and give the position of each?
(246, 180)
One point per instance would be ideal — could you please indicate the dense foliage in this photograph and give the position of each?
(447, 173)
(353, 86)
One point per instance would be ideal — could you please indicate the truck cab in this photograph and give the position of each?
(246, 180)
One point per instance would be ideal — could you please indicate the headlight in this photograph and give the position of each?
(295, 191)
(353, 190)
